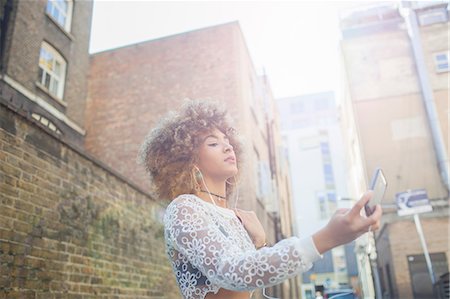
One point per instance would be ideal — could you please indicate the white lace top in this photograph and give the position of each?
(209, 249)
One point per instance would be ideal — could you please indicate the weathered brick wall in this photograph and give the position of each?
(69, 228)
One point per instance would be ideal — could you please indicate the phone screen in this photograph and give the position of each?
(378, 186)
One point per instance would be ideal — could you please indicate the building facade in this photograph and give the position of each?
(70, 226)
(43, 55)
(132, 87)
(395, 91)
(314, 145)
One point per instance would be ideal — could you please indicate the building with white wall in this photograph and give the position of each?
(313, 141)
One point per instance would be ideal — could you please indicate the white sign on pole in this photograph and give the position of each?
(413, 202)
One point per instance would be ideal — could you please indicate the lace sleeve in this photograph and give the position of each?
(197, 237)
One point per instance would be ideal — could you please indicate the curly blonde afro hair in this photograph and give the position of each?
(171, 148)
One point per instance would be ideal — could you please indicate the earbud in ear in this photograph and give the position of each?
(198, 173)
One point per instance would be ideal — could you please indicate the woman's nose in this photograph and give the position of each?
(228, 147)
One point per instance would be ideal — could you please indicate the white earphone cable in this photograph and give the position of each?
(235, 205)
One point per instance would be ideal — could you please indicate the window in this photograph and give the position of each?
(434, 16)
(323, 207)
(264, 179)
(325, 148)
(52, 70)
(321, 104)
(441, 62)
(331, 196)
(328, 174)
(44, 121)
(297, 107)
(339, 261)
(61, 12)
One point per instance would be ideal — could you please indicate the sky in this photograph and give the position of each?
(295, 42)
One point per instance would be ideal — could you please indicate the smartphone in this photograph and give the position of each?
(378, 185)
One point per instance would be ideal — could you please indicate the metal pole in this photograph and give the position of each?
(376, 278)
(425, 249)
(373, 255)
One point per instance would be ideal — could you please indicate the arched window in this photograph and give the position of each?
(46, 123)
(52, 71)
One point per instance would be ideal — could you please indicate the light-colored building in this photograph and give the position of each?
(393, 58)
(131, 87)
(314, 145)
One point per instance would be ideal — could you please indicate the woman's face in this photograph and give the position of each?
(216, 158)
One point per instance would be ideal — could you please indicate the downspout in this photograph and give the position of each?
(4, 31)
(427, 93)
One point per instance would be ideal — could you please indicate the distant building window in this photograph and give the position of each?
(323, 207)
(339, 261)
(61, 12)
(328, 174)
(46, 123)
(297, 107)
(332, 196)
(441, 62)
(264, 180)
(430, 17)
(325, 148)
(321, 104)
(52, 70)
(327, 203)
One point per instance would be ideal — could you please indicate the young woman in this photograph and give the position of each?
(217, 251)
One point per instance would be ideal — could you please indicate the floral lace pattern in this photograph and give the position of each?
(209, 249)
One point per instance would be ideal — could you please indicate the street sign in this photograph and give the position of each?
(413, 202)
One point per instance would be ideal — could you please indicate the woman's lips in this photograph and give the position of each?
(230, 160)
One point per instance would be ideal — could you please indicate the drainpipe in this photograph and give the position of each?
(427, 93)
(7, 8)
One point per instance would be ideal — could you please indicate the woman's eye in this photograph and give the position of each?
(213, 144)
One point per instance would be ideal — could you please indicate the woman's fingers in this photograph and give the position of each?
(356, 209)
(373, 220)
(376, 216)
(342, 211)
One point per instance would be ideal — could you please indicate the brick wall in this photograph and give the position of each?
(70, 228)
(405, 239)
(400, 239)
(131, 88)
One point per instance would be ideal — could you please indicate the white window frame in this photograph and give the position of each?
(55, 78)
(438, 63)
(54, 10)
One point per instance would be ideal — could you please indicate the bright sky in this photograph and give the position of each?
(295, 42)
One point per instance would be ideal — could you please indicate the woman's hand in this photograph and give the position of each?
(252, 226)
(346, 225)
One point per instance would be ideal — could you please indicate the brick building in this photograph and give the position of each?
(70, 226)
(387, 73)
(131, 87)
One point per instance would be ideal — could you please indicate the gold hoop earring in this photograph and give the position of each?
(196, 176)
